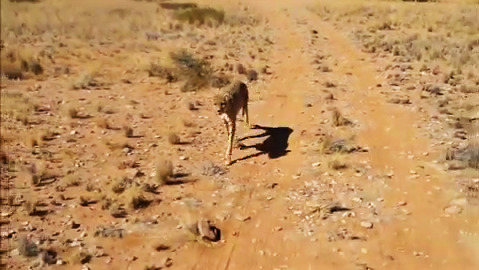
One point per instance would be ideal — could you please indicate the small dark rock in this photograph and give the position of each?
(252, 75)
(49, 256)
(240, 69)
(207, 231)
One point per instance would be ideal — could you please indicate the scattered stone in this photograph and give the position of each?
(168, 262)
(208, 231)
(109, 232)
(211, 169)
(366, 224)
(453, 210)
(459, 202)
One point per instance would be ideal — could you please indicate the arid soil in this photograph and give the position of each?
(357, 160)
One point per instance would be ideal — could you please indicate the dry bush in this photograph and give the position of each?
(134, 199)
(27, 247)
(129, 133)
(197, 72)
(86, 81)
(120, 185)
(180, 64)
(156, 69)
(79, 257)
(201, 16)
(19, 63)
(71, 180)
(173, 138)
(164, 172)
(337, 163)
(31, 207)
(338, 119)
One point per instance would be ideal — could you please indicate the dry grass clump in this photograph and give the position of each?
(182, 65)
(197, 72)
(338, 119)
(164, 172)
(201, 16)
(86, 81)
(31, 207)
(156, 69)
(19, 64)
(79, 257)
(337, 164)
(27, 247)
(15, 106)
(134, 199)
(173, 138)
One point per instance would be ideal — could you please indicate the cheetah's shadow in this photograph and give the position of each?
(275, 145)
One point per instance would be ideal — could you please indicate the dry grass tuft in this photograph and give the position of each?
(173, 138)
(31, 207)
(79, 257)
(338, 119)
(181, 65)
(337, 163)
(135, 199)
(201, 16)
(197, 72)
(19, 64)
(27, 247)
(164, 172)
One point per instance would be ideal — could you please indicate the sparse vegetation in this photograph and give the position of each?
(80, 257)
(31, 207)
(27, 247)
(201, 16)
(19, 64)
(173, 138)
(338, 119)
(135, 199)
(86, 81)
(441, 35)
(164, 172)
(182, 65)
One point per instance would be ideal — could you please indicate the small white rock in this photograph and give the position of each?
(366, 224)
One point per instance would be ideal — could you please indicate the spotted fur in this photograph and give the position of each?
(228, 104)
